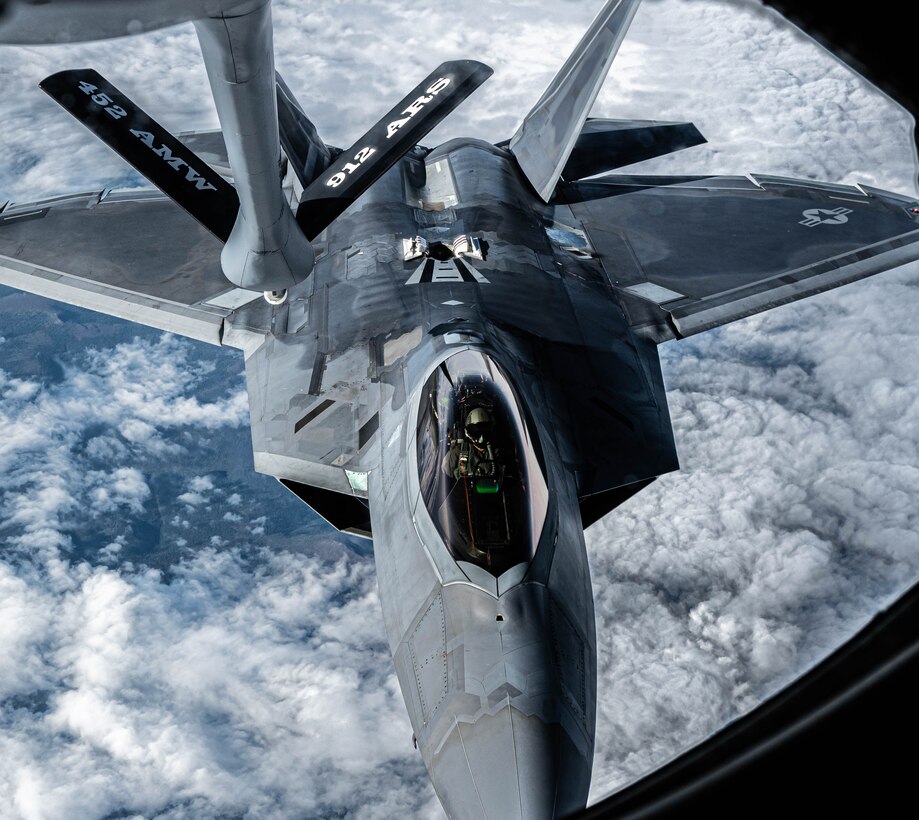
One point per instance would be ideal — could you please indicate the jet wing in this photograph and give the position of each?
(131, 254)
(210, 146)
(686, 254)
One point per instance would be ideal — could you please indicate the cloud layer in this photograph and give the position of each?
(182, 640)
(233, 681)
(792, 521)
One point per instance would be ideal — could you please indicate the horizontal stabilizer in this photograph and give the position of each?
(307, 153)
(594, 507)
(549, 132)
(346, 513)
(607, 144)
(147, 146)
(357, 168)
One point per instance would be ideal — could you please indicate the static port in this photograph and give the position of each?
(499, 617)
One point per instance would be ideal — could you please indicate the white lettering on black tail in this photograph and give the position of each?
(144, 136)
(415, 107)
(176, 163)
(200, 182)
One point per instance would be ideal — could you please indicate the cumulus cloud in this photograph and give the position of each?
(255, 679)
(49, 472)
(124, 486)
(792, 521)
(198, 488)
(245, 681)
(261, 691)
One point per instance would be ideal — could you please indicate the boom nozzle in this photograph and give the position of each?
(266, 250)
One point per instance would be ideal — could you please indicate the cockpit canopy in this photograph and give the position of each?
(480, 477)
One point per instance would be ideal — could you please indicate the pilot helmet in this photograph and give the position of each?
(478, 423)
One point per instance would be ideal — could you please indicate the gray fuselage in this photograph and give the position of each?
(496, 653)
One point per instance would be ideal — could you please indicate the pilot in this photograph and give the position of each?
(472, 454)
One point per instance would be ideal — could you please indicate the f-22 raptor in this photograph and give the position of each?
(451, 350)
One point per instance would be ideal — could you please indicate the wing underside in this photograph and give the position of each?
(688, 254)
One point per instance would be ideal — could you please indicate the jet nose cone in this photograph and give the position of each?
(507, 766)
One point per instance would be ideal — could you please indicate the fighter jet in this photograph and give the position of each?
(450, 350)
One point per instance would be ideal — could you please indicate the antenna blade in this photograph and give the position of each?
(357, 168)
(549, 132)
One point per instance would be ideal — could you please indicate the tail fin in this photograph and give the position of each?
(548, 133)
(306, 152)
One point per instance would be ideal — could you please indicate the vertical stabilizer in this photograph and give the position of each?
(548, 133)
(305, 150)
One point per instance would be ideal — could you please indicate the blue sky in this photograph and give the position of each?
(182, 640)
